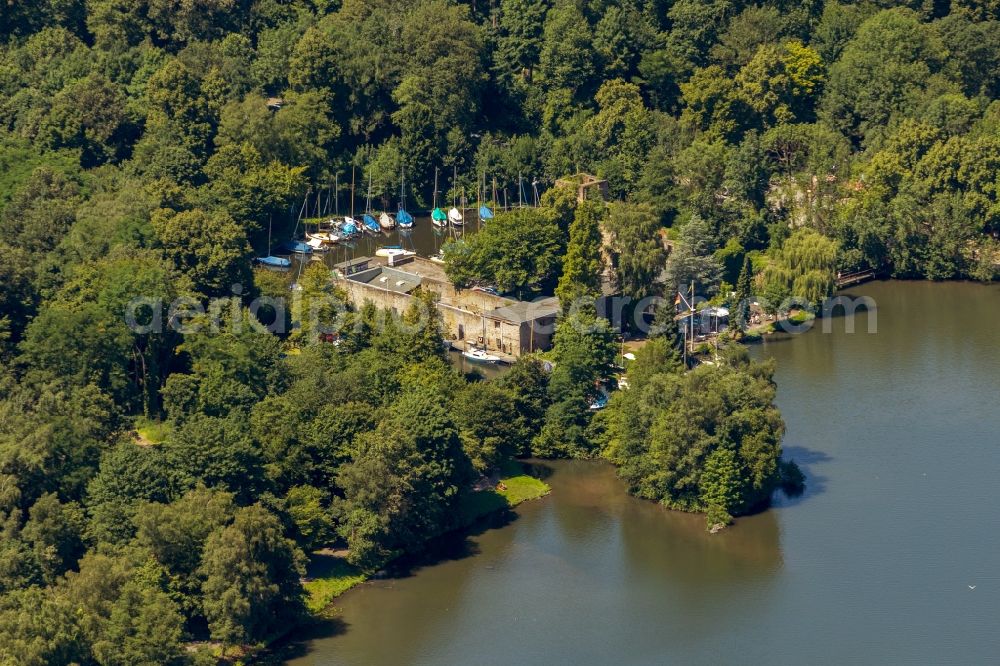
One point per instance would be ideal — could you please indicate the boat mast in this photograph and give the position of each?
(520, 191)
(435, 194)
(302, 211)
(336, 195)
(352, 190)
(368, 199)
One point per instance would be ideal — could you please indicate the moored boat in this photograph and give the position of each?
(296, 247)
(270, 260)
(438, 216)
(350, 227)
(455, 217)
(478, 355)
(404, 219)
(369, 224)
(386, 222)
(393, 251)
(274, 262)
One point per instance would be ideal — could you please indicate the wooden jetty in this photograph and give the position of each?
(850, 279)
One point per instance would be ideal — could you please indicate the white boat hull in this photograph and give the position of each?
(480, 356)
(455, 217)
(395, 253)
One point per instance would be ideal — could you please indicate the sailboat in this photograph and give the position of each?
(270, 260)
(368, 222)
(297, 246)
(386, 221)
(480, 355)
(404, 219)
(455, 215)
(437, 215)
(484, 211)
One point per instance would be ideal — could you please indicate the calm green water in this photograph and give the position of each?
(898, 434)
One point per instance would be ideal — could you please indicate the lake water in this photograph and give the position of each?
(424, 238)
(897, 432)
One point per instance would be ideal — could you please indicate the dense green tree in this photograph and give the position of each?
(210, 249)
(308, 509)
(519, 250)
(403, 482)
(55, 532)
(566, 67)
(622, 133)
(527, 382)
(584, 350)
(881, 71)
(251, 578)
(583, 267)
(519, 39)
(51, 438)
(636, 248)
(487, 417)
(692, 259)
(216, 452)
(145, 626)
(744, 293)
(708, 440)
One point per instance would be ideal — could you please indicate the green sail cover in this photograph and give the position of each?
(439, 215)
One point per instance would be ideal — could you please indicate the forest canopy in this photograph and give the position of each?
(154, 147)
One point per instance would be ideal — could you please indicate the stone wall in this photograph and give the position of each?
(460, 323)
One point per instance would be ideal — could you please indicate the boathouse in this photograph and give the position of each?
(504, 326)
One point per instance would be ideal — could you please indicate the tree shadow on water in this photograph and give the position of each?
(452, 546)
(815, 483)
(300, 641)
(537, 468)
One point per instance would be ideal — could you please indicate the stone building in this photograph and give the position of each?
(504, 326)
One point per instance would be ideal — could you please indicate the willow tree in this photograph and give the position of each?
(804, 269)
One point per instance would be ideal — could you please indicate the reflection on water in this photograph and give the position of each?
(586, 556)
(424, 238)
(897, 434)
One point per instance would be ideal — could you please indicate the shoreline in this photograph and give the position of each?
(329, 575)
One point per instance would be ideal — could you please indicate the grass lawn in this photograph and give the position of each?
(150, 431)
(520, 488)
(330, 575)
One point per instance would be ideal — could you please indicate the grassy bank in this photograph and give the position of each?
(330, 575)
